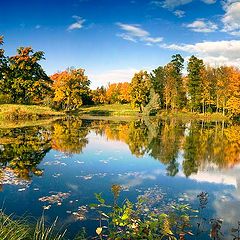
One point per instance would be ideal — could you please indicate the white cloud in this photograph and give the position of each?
(112, 76)
(231, 19)
(172, 4)
(201, 25)
(209, 1)
(179, 13)
(78, 24)
(213, 52)
(134, 33)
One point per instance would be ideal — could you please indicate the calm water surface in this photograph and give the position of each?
(57, 168)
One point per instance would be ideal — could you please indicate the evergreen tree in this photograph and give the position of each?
(158, 81)
(178, 65)
(195, 68)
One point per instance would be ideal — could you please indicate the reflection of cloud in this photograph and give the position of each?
(212, 174)
(214, 177)
(228, 210)
(73, 187)
(134, 179)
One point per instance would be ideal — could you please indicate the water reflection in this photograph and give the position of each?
(192, 146)
(69, 135)
(71, 159)
(22, 149)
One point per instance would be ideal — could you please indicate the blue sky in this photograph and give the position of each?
(113, 39)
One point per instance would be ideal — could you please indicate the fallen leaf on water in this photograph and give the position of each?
(99, 230)
(46, 207)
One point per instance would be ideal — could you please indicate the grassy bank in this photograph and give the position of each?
(123, 110)
(26, 112)
(193, 116)
(109, 110)
(17, 112)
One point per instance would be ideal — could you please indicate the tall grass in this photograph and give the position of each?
(43, 232)
(20, 229)
(13, 229)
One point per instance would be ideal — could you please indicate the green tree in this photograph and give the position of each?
(25, 81)
(158, 82)
(195, 68)
(3, 72)
(140, 89)
(2, 58)
(178, 65)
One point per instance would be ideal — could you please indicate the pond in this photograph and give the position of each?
(57, 168)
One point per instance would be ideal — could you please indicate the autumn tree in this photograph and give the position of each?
(233, 101)
(70, 88)
(124, 92)
(112, 93)
(99, 95)
(25, 80)
(140, 89)
(169, 88)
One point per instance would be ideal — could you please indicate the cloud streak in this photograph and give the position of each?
(172, 4)
(203, 26)
(135, 33)
(78, 24)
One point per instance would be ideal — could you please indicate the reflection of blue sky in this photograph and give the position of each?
(103, 163)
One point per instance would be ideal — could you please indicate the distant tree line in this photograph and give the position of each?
(202, 89)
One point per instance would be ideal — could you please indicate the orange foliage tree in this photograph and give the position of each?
(70, 88)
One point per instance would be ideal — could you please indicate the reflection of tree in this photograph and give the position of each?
(190, 164)
(23, 149)
(232, 149)
(134, 133)
(202, 143)
(138, 138)
(69, 136)
(165, 145)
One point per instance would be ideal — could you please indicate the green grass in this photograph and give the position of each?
(193, 116)
(126, 110)
(109, 110)
(19, 229)
(26, 112)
